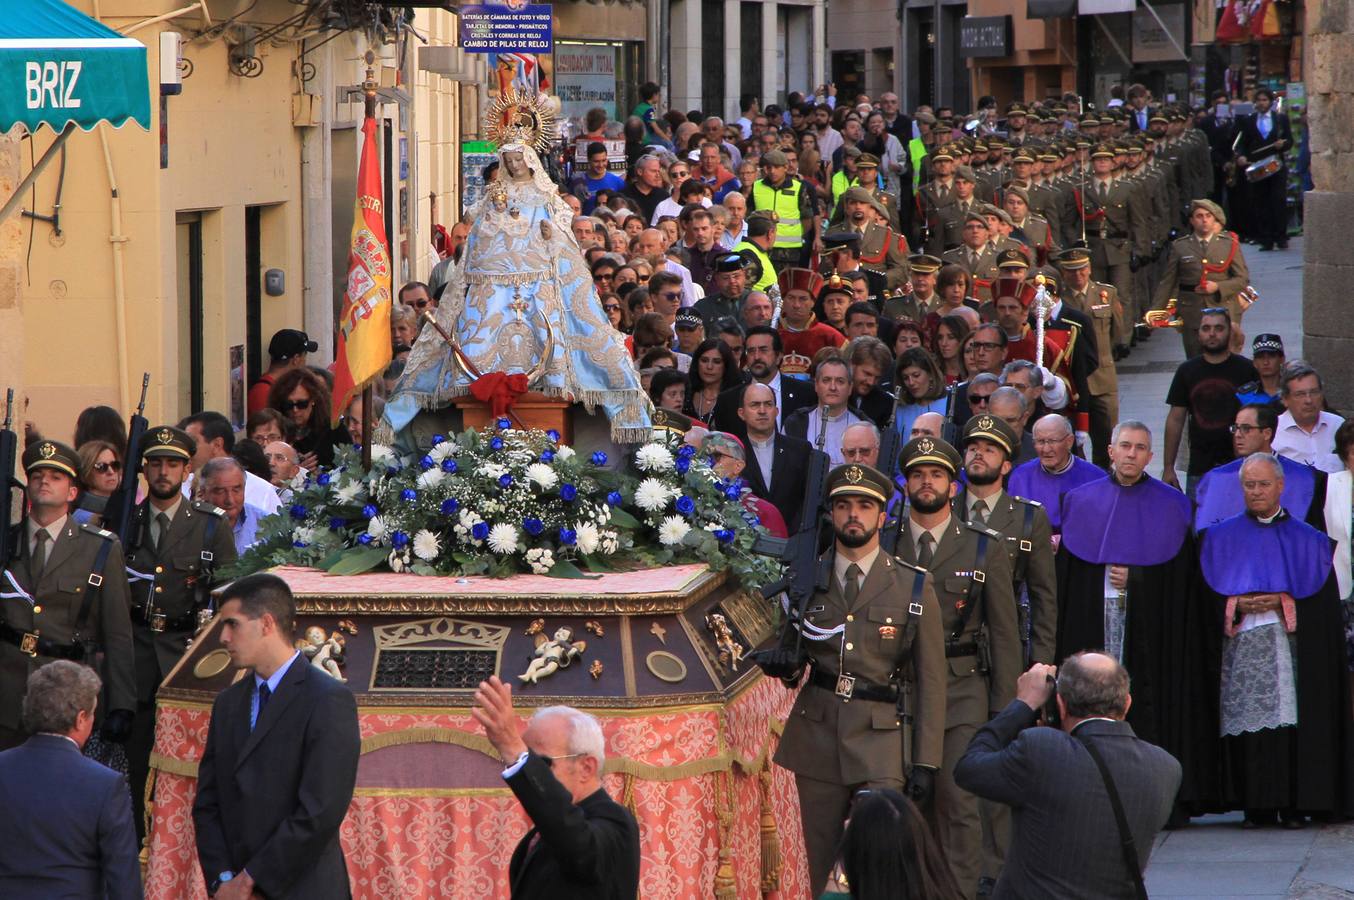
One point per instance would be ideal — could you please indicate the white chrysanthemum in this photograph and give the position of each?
(382, 453)
(469, 519)
(431, 477)
(543, 475)
(443, 450)
(347, 493)
(609, 542)
(541, 561)
(503, 539)
(673, 529)
(376, 527)
(654, 458)
(564, 454)
(426, 545)
(304, 535)
(652, 495)
(397, 560)
(588, 537)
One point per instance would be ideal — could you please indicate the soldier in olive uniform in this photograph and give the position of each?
(976, 256)
(946, 227)
(67, 598)
(922, 300)
(972, 575)
(1116, 227)
(867, 178)
(175, 548)
(1099, 302)
(1038, 235)
(873, 633)
(1206, 268)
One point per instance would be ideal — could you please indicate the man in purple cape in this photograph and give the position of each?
(1284, 711)
(1126, 584)
(1055, 472)
(1219, 493)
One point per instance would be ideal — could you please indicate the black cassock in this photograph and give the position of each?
(1307, 767)
(1171, 639)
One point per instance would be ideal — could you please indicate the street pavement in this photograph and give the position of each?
(1213, 857)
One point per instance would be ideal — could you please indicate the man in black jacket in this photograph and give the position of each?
(762, 352)
(777, 464)
(582, 844)
(1065, 841)
(278, 771)
(1267, 133)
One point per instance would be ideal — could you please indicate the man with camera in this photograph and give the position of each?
(1087, 796)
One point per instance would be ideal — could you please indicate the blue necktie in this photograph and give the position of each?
(264, 694)
(1264, 124)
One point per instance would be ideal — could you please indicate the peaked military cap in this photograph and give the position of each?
(991, 428)
(855, 479)
(52, 455)
(926, 450)
(167, 441)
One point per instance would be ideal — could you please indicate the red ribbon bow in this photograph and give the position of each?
(500, 390)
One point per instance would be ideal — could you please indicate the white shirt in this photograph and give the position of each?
(774, 384)
(688, 292)
(765, 454)
(828, 141)
(744, 125)
(1314, 448)
(257, 492)
(840, 564)
(836, 429)
(671, 207)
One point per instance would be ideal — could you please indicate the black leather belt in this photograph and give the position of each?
(161, 622)
(31, 643)
(850, 687)
(969, 648)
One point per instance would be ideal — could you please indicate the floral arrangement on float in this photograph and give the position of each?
(504, 501)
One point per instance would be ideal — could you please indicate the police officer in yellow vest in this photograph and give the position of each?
(796, 222)
(761, 237)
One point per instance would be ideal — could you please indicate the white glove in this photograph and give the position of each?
(1054, 395)
(1084, 444)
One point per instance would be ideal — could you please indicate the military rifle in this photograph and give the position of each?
(9, 452)
(118, 511)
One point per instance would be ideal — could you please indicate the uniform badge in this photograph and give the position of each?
(47, 450)
(985, 423)
(854, 474)
(926, 445)
(164, 436)
(888, 632)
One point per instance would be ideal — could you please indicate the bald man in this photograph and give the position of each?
(651, 246)
(777, 464)
(928, 424)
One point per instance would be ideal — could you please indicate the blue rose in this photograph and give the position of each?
(686, 451)
(392, 470)
(568, 537)
(496, 444)
(599, 458)
(480, 531)
(399, 539)
(567, 493)
(364, 539)
(732, 492)
(685, 505)
(614, 498)
(297, 511)
(682, 464)
(553, 435)
(547, 456)
(370, 511)
(449, 466)
(336, 523)
(322, 479)
(450, 506)
(426, 463)
(725, 535)
(505, 481)
(503, 424)
(408, 495)
(299, 545)
(533, 527)
(438, 439)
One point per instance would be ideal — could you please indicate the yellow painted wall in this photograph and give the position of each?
(437, 112)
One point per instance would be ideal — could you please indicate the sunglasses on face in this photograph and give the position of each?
(290, 405)
(103, 468)
(420, 305)
(977, 401)
(603, 276)
(611, 308)
(984, 345)
(671, 295)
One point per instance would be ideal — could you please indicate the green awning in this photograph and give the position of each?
(59, 67)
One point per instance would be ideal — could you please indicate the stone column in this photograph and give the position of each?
(733, 58)
(818, 45)
(685, 40)
(11, 293)
(1328, 326)
(770, 52)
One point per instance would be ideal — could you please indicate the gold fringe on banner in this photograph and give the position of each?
(725, 886)
(771, 861)
(628, 794)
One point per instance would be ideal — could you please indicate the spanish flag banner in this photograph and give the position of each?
(364, 328)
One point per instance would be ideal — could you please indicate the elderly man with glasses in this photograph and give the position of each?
(1306, 432)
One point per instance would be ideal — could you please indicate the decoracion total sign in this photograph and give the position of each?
(511, 27)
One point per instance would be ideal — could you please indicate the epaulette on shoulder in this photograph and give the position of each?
(983, 529)
(1028, 502)
(101, 532)
(209, 508)
(907, 565)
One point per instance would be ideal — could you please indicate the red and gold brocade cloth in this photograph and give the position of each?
(431, 817)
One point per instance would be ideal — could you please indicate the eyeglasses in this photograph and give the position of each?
(604, 276)
(103, 468)
(1050, 442)
(671, 295)
(1242, 429)
(978, 401)
(420, 304)
(858, 452)
(984, 345)
(1308, 394)
(289, 405)
(551, 760)
(611, 308)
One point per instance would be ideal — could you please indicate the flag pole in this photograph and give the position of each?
(369, 99)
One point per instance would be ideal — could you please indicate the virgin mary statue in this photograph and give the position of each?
(521, 301)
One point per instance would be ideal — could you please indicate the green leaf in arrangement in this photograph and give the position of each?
(359, 560)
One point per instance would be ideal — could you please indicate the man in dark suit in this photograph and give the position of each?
(1065, 839)
(1267, 133)
(278, 771)
(762, 352)
(777, 464)
(67, 828)
(582, 844)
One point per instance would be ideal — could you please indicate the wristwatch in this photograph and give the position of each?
(220, 880)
